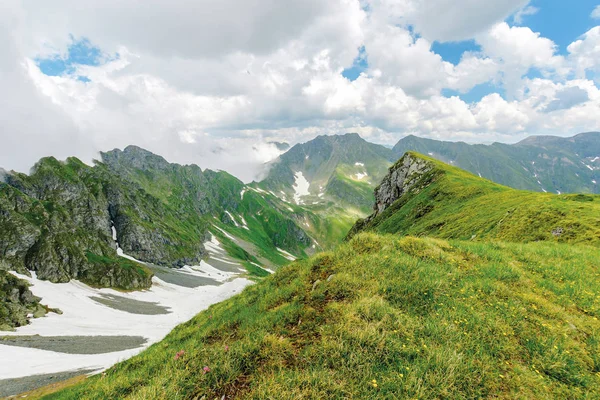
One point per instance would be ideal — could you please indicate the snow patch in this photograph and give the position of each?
(233, 219)
(300, 186)
(242, 193)
(359, 164)
(82, 316)
(244, 224)
(286, 254)
(593, 181)
(360, 175)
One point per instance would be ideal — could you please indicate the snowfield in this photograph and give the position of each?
(300, 186)
(84, 316)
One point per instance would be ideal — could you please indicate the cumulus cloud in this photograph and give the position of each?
(596, 12)
(447, 20)
(524, 12)
(213, 83)
(567, 98)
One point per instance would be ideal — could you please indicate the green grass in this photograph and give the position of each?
(121, 262)
(388, 317)
(459, 205)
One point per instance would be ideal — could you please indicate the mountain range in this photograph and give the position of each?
(65, 219)
(454, 287)
(538, 163)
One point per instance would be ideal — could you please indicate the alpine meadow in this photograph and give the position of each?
(308, 199)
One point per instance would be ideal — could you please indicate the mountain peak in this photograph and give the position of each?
(136, 157)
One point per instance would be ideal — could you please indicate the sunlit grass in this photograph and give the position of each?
(388, 317)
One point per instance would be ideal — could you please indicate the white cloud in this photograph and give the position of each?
(596, 12)
(212, 85)
(518, 49)
(518, 18)
(447, 20)
(585, 53)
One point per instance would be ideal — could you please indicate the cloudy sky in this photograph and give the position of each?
(212, 82)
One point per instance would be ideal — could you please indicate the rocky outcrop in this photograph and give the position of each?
(410, 174)
(16, 302)
(402, 177)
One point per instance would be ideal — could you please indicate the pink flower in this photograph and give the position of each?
(226, 348)
(179, 354)
(205, 369)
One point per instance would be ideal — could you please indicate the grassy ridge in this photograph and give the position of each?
(460, 205)
(388, 317)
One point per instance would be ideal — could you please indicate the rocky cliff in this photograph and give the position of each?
(17, 302)
(409, 174)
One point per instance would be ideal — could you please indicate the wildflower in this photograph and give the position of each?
(401, 375)
(374, 385)
(226, 348)
(205, 369)
(179, 354)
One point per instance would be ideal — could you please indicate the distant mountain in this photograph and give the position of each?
(282, 146)
(342, 169)
(539, 163)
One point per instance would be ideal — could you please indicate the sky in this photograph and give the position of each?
(212, 83)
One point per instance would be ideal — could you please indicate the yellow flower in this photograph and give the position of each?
(374, 385)
(374, 381)
(401, 375)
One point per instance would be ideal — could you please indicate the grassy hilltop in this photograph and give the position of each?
(513, 313)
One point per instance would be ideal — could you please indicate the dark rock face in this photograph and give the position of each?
(409, 174)
(401, 178)
(16, 302)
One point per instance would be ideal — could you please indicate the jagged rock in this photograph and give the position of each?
(401, 178)
(410, 173)
(16, 302)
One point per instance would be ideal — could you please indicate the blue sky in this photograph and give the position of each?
(79, 52)
(561, 21)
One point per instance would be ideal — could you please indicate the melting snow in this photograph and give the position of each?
(286, 254)
(360, 175)
(431, 154)
(359, 164)
(242, 193)
(82, 316)
(233, 219)
(595, 159)
(593, 181)
(244, 224)
(300, 186)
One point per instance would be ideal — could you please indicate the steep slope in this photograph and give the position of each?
(387, 317)
(57, 223)
(538, 163)
(340, 168)
(64, 220)
(422, 196)
(260, 223)
(328, 182)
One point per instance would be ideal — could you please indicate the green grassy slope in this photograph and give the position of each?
(388, 317)
(452, 203)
